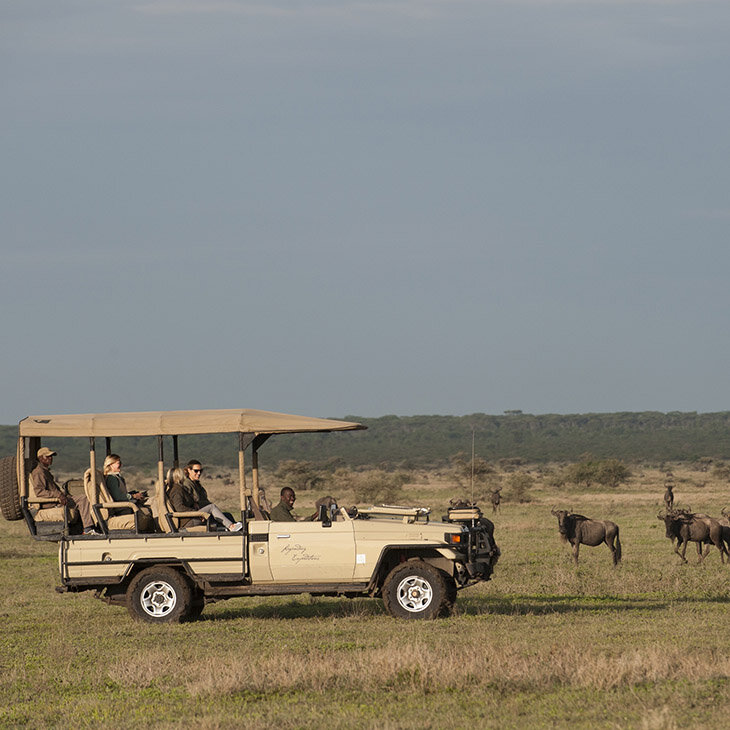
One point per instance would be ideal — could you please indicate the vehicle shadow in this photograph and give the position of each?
(296, 608)
(526, 605)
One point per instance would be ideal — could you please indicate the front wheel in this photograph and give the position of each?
(416, 590)
(159, 595)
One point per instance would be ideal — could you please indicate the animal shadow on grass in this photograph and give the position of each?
(543, 605)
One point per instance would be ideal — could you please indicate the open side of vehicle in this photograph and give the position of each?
(414, 564)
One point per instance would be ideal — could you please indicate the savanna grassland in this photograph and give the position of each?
(544, 644)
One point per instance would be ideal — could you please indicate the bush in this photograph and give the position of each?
(463, 469)
(298, 475)
(612, 472)
(377, 486)
(608, 473)
(520, 484)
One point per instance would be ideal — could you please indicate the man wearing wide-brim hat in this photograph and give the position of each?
(45, 486)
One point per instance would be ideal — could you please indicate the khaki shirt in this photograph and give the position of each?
(44, 484)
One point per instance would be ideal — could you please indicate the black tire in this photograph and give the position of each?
(197, 605)
(416, 590)
(159, 595)
(451, 591)
(9, 495)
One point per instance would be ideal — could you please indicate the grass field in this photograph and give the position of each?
(644, 645)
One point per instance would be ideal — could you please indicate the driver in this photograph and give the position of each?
(283, 511)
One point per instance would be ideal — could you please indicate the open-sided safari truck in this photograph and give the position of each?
(416, 565)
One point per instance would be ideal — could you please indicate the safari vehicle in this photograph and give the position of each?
(415, 564)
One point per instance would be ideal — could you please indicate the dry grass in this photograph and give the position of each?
(644, 645)
(422, 668)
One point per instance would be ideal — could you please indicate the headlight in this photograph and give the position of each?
(456, 538)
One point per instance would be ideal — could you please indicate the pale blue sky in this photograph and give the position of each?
(365, 208)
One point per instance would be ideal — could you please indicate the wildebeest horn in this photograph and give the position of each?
(552, 511)
(724, 511)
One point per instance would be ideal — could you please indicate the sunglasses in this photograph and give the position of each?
(197, 471)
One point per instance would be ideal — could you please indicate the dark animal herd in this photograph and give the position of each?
(681, 527)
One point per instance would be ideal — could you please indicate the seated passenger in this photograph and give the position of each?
(330, 503)
(117, 487)
(183, 499)
(283, 511)
(264, 504)
(45, 486)
(193, 470)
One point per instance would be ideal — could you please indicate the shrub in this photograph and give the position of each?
(376, 486)
(520, 484)
(463, 468)
(298, 475)
(608, 473)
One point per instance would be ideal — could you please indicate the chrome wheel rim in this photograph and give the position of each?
(414, 594)
(158, 599)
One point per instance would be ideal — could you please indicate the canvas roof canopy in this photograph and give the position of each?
(175, 423)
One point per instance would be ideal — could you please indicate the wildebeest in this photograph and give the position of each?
(686, 527)
(725, 524)
(579, 530)
(668, 498)
(496, 499)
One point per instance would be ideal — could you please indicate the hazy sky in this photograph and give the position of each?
(375, 207)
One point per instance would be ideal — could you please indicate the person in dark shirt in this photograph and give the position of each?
(185, 495)
(283, 511)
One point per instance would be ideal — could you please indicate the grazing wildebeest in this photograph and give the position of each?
(668, 498)
(496, 499)
(579, 530)
(686, 527)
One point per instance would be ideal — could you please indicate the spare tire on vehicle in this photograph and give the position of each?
(9, 496)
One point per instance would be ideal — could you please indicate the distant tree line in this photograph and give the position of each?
(408, 442)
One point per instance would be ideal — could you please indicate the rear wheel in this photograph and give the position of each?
(416, 590)
(9, 496)
(159, 595)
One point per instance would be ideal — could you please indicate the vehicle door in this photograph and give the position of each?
(311, 551)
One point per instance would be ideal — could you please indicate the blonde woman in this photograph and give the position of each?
(116, 483)
(117, 488)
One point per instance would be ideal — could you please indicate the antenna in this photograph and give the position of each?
(472, 464)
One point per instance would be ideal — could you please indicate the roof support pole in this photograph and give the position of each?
(175, 453)
(108, 445)
(160, 472)
(22, 464)
(255, 473)
(242, 471)
(92, 466)
(244, 440)
(259, 440)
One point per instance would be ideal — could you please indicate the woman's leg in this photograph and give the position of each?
(217, 515)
